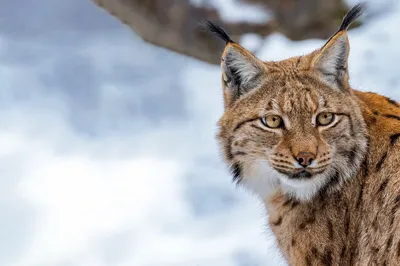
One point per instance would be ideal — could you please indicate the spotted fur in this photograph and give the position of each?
(344, 207)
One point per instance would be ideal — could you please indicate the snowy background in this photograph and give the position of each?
(107, 146)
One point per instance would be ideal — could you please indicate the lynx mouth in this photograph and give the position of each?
(303, 174)
(306, 173)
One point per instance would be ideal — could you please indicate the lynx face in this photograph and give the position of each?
(292, 125)
(294, 132)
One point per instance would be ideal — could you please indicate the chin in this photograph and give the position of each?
(262, 179)
(305, 184)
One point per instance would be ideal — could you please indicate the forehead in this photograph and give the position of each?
(293, 92)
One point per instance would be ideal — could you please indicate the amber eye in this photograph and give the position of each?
(272, 121)
(324, 119)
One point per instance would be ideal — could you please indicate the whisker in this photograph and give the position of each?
(323, 160)
(320, 167)
(282, 161)
(278, 156)
(319, 172)
(282, 170)
(283, 166)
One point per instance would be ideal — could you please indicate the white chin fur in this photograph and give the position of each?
(261, 179)
(304, 189)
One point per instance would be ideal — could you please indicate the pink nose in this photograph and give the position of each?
(305, 158)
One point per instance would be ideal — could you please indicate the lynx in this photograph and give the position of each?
(323, 157)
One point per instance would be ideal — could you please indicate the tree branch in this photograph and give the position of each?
(175, 24)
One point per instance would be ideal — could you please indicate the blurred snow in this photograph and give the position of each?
(237, 11)
(108, 154)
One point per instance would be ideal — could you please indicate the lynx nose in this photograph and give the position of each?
(305, 158)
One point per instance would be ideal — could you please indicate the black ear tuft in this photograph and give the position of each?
(352, 15)
(217, 31)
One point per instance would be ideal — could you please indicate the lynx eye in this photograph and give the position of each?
(272, 121)
(324, 119)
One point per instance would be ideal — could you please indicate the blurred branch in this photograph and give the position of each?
(174, 24)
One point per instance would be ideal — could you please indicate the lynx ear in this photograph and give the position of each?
(331, 61)
(242, 71)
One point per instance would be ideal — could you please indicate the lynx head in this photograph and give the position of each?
(292, 125)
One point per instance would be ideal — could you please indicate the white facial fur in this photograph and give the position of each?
(261, 179)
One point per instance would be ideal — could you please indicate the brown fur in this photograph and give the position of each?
(351, 216)
(358, 225)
